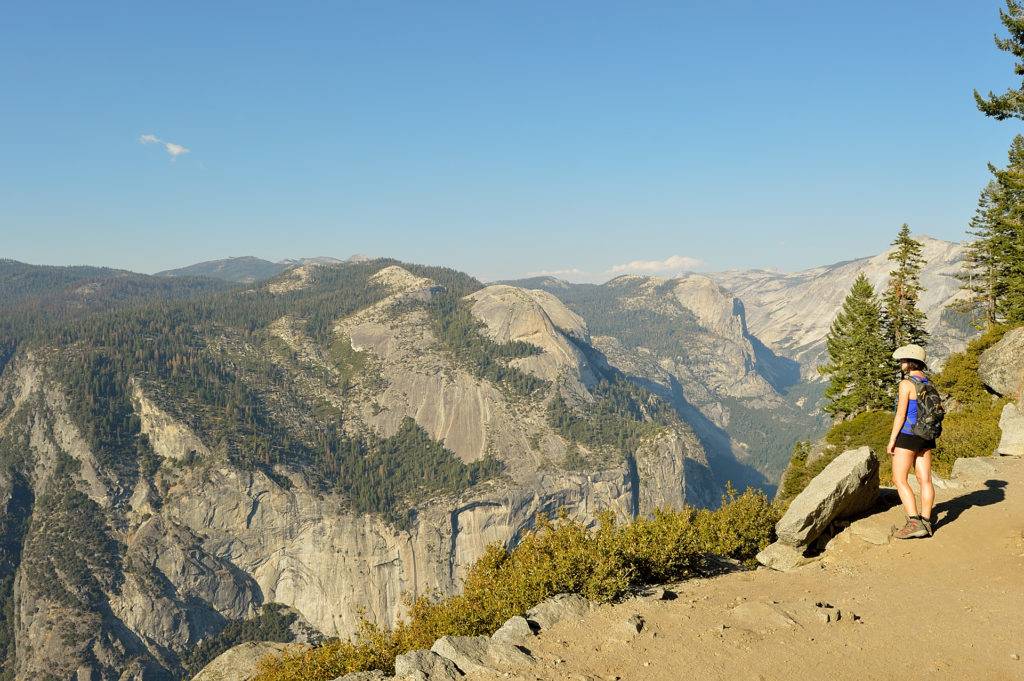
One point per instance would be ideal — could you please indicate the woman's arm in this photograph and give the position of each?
(901, 414)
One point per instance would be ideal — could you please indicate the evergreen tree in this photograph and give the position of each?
(994, 263)
(998, 256)
(978, 275)
(1010, 104)
(1008, 234)
(903, 322)
(859, 369)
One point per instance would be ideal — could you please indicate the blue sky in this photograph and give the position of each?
(500, 138)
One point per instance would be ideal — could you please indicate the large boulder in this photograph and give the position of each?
(1012, 424)
(557, 608)
(847, 486)
(782, 557)
(1001, 367)
(421, 665)
(472, 654)
(516, 631)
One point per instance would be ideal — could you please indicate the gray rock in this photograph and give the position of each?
(515, 631)
(507, 655)
(781, 556)
(421, 665)
(239, 663)
(473, 654)
(1001, 367)
(979, 467)
(469, 653)
(847, 486)
(631, 626)
(872, 531)
(1011, 422)
(558, 608)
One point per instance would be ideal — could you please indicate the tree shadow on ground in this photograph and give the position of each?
(953, 508)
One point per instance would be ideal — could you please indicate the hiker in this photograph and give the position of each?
(908, 449)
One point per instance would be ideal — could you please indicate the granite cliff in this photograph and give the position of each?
(144, 509)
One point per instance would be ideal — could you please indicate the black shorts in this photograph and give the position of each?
(913, 442)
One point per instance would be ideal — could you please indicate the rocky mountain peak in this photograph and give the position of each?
(400, 280)
(538, 318)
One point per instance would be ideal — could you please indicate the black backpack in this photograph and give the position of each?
(930, 411)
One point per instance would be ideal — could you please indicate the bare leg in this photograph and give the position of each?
(923, 470)
(902, 459)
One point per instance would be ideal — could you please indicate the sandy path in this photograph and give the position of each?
(947, 607)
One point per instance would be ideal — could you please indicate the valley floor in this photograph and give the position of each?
(945, 607)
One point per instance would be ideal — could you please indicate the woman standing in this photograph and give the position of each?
(908, 449)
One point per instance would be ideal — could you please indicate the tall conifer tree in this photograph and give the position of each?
(902, 321)
(979, 274)
(1002, 241)
(859, 368)
(993, 270)
(1010, 104)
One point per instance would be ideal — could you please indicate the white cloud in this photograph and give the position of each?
(175, 150)
(676, 262)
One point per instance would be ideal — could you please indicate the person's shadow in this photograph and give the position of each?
(992, 494)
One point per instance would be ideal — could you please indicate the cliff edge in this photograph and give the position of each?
(869, 607)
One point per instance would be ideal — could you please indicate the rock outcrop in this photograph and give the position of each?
(1001, 367)
(791, 312)
(847, 486)
(1011, 423)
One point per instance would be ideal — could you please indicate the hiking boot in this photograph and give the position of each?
(927, 524)
(914, 528)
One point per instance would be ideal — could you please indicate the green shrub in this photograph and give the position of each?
(556, 557)
(969, 432)
(959, 379)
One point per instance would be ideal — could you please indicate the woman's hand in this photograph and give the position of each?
(891, 448)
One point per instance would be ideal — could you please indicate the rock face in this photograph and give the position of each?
(847, 486)
(169, 556)
(1001, 367)
(791, 312)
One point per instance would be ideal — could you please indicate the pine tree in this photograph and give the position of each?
(978, 274)
(902, 321)
(1008, 235)
(860, 369)
(1011, 103)
(1000, 248)
(994, 262)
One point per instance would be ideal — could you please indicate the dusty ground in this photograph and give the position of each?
(947, 607)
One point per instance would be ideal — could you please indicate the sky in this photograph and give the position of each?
(503, 138)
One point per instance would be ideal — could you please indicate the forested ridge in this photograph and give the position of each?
(184, 349)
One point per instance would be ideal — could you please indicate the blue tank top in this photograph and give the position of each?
(908, 425)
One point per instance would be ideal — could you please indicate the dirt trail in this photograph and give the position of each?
(947, 607)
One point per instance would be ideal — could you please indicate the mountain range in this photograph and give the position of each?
(176, 451)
